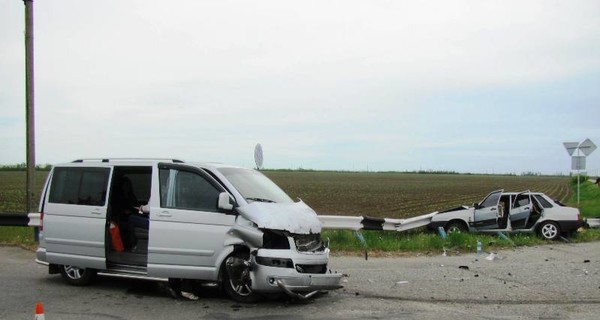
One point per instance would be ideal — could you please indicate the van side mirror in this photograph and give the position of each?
(225, 202)
(476, 205)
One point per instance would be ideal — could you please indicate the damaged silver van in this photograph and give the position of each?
(161, 219)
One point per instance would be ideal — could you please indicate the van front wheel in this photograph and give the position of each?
(77, 276)
(236, 279)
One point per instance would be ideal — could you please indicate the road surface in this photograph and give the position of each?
(557, 281)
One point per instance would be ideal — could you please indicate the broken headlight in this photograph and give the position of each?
(275, 240)
(308, 242)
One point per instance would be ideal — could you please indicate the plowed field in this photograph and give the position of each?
(402, 195)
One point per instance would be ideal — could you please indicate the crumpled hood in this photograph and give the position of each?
(293, 217)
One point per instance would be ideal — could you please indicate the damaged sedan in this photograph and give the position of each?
(161, 219)
(502, 211)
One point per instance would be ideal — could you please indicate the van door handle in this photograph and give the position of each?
(96, 211)
(164, 214)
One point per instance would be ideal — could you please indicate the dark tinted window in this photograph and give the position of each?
(543, 201)
(491, 200)
(83, 186)
(187, 190)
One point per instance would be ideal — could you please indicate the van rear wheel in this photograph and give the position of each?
(77, 276)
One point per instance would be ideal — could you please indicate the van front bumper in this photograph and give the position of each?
(289, 276)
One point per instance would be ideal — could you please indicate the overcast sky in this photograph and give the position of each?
(469, 86)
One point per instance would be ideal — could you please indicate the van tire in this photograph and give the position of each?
(76, 276)
(237, 292)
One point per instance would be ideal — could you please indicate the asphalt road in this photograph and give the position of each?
(558, 281)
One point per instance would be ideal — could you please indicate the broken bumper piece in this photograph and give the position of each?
(299, 275)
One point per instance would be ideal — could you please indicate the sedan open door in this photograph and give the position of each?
(520, 210)
(485, 215)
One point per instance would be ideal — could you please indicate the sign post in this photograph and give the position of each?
(578, 161)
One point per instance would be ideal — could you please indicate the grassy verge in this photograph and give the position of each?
(424, 242)
(589, 199)
(18, 236)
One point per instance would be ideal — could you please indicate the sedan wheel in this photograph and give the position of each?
(549, 230)
(455, 227)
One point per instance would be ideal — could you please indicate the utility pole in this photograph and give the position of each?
(29, 105)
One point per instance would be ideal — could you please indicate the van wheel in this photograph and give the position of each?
(76, 276)
(236, 279)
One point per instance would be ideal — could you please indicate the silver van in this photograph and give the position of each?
(161, 219)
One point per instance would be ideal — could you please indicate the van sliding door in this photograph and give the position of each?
(75, 216)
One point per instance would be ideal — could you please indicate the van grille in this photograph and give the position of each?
(311, 268)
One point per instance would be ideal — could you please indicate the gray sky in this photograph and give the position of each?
(470, 86)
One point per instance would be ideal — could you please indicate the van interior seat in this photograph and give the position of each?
(141, 233)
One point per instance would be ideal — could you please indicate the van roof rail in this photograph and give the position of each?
(126, 159)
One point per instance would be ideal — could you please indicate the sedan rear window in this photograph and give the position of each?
(543, 201)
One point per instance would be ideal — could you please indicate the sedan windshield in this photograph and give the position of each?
(254, 186)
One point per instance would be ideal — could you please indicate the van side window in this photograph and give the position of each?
(181, 189)
(82, 186)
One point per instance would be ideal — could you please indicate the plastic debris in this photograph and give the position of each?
(442, 232)
(503, 236)
(464, 267)
(491, 257)
(402, 282)
(479, 247)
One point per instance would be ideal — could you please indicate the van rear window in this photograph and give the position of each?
(82, 186)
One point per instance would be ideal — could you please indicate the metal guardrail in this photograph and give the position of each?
(593, 223)
(371, 223)
(329, 222)
(14, 219)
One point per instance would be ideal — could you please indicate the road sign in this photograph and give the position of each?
(587, 147)
(578, 163)
(571, 147)
(258, 156)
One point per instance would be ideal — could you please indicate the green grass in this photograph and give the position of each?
(589, 201)
(18, 236)
(391, 241)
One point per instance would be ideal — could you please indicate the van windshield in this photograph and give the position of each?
(254, 186)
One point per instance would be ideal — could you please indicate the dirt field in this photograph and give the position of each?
(401, 195)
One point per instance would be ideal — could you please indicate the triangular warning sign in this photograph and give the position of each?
(571, 147)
